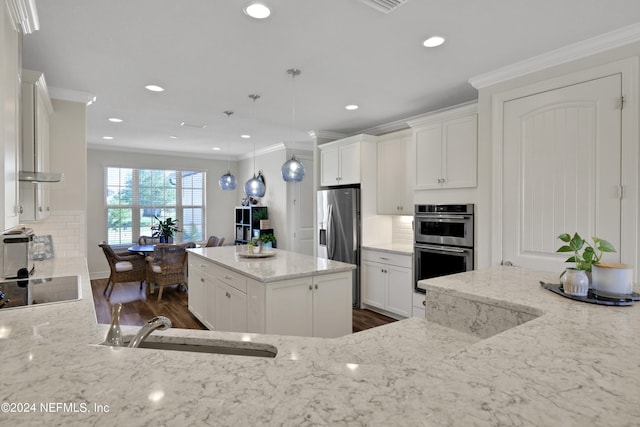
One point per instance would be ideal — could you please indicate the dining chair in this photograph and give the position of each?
(214, 241)
(166, 267)
(124, 267)
(148, 240)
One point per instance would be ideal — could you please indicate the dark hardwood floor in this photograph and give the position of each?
(137, 309)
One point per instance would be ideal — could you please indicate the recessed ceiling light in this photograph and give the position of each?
(215, 148)
(193, 125)
(245, 136)
(434, 41)
(107, 137)
(257, 11)
(173, 137)
(115, 120)
(154, 88)
(351, 107)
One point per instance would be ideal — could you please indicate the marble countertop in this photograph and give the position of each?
(571, 364)
(396, 248)
(282, 266)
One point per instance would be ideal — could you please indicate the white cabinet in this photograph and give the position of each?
(387, 282)
(395, 174)
(36, 110)
(318, 306)
(419, 305)
(224, 300)
(340, 161)
(230, 301)
(9, 119)
(200, 290)
(446, 149)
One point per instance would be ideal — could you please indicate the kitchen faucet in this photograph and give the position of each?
(158, 322)
(114, 335)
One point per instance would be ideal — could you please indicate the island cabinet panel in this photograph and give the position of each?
(201, 291)
(332, 305)
(289, 307)
(225, 300)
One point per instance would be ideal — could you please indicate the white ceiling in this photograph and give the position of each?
(210, 56)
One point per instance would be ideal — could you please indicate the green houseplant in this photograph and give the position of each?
(576, 280)
(165, 229)
(268, 240)
(584, 254)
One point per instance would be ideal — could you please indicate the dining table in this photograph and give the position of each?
(142, 249)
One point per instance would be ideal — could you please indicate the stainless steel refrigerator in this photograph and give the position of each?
(339, 230)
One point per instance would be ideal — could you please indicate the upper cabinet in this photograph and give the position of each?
(10, 40)
(446, 149)
(395, 173)
(340, 161)
(36, 110)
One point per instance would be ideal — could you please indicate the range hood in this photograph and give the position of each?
(39, 176)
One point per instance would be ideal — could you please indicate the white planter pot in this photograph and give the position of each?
(613, 280)
(575, 282)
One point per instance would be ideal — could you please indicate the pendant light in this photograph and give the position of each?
(227, 181)
(293, 169)
(254, 187)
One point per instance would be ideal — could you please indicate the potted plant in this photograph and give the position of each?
(165, 229)
(261, 216)
(575, 280)
(254, 246)
(268, 240)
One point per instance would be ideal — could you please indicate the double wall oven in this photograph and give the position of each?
(443, 240)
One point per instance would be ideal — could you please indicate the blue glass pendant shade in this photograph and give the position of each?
(227, 181)
(254, 187)
(293, 170)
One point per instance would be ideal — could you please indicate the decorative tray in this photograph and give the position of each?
(591, 297)
(258, 255)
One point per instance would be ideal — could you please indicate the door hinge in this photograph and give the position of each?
(621, 102)
(621, 192)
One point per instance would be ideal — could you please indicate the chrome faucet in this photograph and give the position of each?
(158, 322)
(114, 335)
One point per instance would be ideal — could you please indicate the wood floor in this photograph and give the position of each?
(137, 309)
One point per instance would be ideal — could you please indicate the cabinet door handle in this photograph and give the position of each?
(228, 294)
(316, 286)
(228, 277)
(310, 287)
(424, 303)
(385, 258)
(202, 279)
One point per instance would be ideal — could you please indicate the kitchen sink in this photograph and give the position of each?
(235, 348)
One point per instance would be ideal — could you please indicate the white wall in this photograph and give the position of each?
(219, 207)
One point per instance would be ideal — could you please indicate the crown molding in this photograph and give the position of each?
(325, 134)
(72, 95)
(611, 40)
(24, 15)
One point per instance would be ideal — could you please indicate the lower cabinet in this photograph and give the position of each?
(419, 305)
(313, 306)
(387, 282)
(317, 306)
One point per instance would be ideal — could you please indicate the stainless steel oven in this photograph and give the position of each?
(443, 240)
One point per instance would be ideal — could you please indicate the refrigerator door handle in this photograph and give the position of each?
(330, 237)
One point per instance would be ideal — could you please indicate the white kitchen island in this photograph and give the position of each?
(566, 364)
(285, 294)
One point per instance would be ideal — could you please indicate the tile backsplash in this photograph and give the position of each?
(402, 230)
(67, 230)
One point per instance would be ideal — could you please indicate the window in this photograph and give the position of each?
(134, 197)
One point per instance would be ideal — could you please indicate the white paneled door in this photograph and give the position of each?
(561, 170)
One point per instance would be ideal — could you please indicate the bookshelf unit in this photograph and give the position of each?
(247, 219)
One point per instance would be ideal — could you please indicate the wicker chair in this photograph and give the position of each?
(214, 241)
(125, 267)
(148, 240)
(167, 266)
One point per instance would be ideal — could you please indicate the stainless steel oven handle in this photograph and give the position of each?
(442, 248)
(432, 217)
